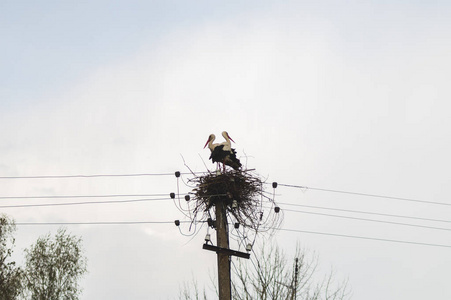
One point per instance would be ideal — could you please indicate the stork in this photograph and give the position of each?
(223, 152)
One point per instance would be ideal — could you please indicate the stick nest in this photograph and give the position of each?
(226, 187)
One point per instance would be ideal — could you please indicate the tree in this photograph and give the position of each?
(269, 275)
(10, 275)
(187, 292)
(54, 266)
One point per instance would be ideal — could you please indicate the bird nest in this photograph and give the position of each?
(240, 191)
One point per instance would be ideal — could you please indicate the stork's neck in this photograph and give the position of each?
(227, 145)
(226, 136)
(210, 143)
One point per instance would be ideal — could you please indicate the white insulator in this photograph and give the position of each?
(234, 204)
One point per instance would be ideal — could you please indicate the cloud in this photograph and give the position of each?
(314, 97)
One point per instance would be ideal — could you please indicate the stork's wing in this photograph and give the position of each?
(218, 154)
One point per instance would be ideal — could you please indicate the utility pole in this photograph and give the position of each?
(222, 240)
(296, 271)
(223, 252)
(222, 249)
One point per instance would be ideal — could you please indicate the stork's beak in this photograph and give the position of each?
(230, 138)
(207, 142)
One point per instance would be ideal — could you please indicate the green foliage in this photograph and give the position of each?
(54, 266)
(10, 275)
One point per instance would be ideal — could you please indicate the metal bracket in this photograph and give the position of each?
(226, 251)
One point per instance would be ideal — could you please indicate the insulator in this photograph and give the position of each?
(177, 222)
(237, 225)
(234, 204)
(177, 174)
(274, 185)
(172, 195)
(207, 237)
(248, 247)
(187, 197)
(261, 216)
(277, 209)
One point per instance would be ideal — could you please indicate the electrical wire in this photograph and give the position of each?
(179, 207)
(168, 222)
(364, 194)
(365, 238)
(279, 229)
(88, 202)
(80, 196)
(97, 223)
(83, 203)
(370, 220)
(367, 212)
(90, 176)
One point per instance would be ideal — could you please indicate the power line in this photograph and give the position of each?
(370, 220)
(90, 176)
(364, 194)
(97, 223)
(365, 238)
(367, 212)
(82, 203)
(80, 196)
(90, 202)
(171, 222)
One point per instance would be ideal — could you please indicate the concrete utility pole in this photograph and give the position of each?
(222, 240)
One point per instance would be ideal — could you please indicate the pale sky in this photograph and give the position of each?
(350, 97)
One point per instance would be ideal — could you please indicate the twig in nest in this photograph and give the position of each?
(228, 187)
(187, 165)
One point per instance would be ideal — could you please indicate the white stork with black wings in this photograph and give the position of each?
(223, 153)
